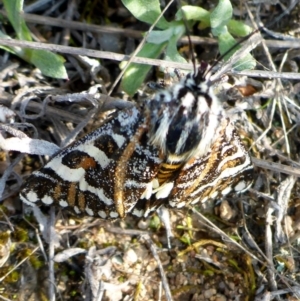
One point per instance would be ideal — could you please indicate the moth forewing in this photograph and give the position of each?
(224, 168)
(102, 174)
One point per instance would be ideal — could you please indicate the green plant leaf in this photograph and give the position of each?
(49, 63)
(221, 15)
(155, 222)
(248, 62)
(172, 53)
(13, 50)
(194, 13)
(238, 28)
(136, 73)
(146, 11)
(14, 9)
(219, 31)
(160, 36)
(226, 42)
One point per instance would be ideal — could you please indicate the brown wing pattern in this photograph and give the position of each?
(103, 174)
(226, 167)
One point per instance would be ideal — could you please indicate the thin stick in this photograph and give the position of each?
(21, 262)
(293, 171)
(165, 284)
(51, 256)
(139, 60)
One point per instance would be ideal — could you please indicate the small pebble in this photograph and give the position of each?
(130, 257)
(143, 224)
(209, 293)
(220, 298)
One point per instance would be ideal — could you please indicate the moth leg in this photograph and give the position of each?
(164, 216)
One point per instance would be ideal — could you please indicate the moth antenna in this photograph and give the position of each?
(191, 48)
(232, 48)
(189, 37)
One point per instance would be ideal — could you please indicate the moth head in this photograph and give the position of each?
(199, 76)
(185, 119)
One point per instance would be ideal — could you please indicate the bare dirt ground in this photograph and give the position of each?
(244, 247)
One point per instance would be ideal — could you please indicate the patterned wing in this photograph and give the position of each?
(226, 167)
(102, 174)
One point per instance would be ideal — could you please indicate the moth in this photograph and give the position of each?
(175, 149)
